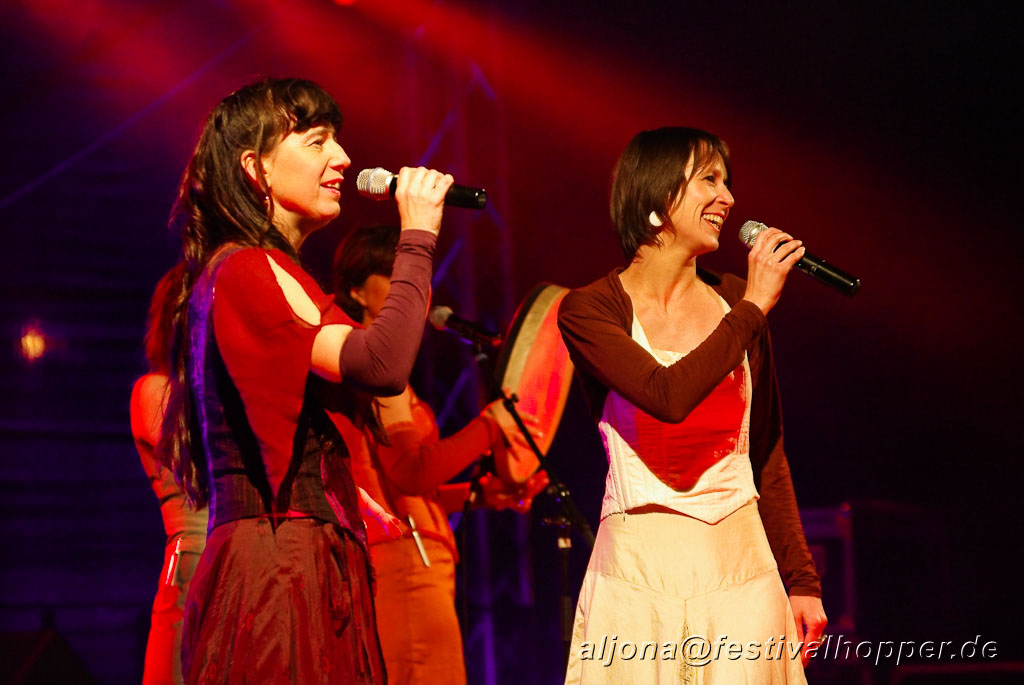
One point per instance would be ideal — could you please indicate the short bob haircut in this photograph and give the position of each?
(651, 174)
(363, 252)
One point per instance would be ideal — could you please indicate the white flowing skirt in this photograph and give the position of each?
(671, 599)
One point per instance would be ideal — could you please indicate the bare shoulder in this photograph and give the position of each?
(149, 397)
(152, 386)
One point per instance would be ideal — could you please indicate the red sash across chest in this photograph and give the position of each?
(678, 453)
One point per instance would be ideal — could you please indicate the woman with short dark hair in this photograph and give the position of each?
(699, 504)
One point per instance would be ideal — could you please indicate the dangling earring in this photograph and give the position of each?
(654, 219)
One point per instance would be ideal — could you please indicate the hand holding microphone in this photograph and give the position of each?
(767, 266)
(420, 195)
(807, 263)
(380, 184)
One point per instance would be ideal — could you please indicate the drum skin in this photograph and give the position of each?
(534, 365)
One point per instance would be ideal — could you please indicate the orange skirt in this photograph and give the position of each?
(419, 629)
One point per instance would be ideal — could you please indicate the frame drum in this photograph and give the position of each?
(534, 364)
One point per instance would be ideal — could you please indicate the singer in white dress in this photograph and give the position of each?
(699, 514)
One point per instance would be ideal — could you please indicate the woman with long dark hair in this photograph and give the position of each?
(282, 592)
(698, 504)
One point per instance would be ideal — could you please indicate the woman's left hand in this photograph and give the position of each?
(375, 514)
(497, 412)
(500, 495)
(810, 621)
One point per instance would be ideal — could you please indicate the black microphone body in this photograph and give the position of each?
(443, 318)
(818, 268)
(380, 184)
(813, 266)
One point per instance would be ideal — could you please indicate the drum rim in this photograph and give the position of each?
(505, 356)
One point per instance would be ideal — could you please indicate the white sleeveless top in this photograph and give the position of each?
(699, 467)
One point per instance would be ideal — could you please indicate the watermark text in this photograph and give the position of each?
(697, 650)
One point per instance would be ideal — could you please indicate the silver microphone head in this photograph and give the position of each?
(438, 316)
(749, 231)
(374, 183)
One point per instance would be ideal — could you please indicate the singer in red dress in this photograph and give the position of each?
(282, 593)
(699, 513)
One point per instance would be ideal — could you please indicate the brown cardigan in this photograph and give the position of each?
(596, 323)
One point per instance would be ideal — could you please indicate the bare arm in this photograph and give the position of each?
(148, 401)
(416, 465)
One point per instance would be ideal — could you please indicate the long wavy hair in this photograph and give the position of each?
(218, 204)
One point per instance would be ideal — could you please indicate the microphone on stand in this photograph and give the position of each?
(442, 318)
(815, 267)
(380, 184)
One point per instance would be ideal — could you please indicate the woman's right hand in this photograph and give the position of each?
(767, 268)
(500, 495)
(420, 196)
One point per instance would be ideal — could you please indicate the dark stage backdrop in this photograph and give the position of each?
(881, 134)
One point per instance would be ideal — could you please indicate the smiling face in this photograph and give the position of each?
(701, 208)
(304, 172)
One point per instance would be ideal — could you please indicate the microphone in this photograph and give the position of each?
(816, 267)
(380, 184)
(442, 317)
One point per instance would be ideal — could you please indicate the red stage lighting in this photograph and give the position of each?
(33, 342)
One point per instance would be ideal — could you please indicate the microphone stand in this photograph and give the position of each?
(571, 515)
(556, 487)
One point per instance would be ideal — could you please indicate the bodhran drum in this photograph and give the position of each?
(534, 364)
